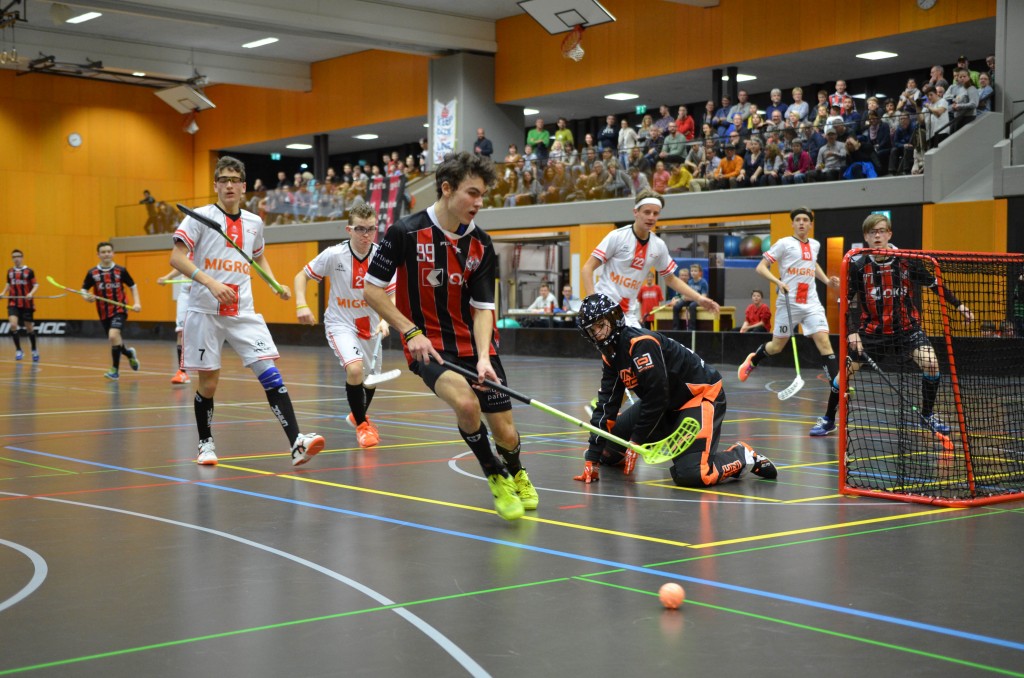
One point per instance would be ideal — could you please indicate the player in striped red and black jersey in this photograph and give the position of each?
(20, 288)
(444, 309)
(108, 280)
(884, 319)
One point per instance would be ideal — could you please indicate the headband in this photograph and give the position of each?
(648, 201)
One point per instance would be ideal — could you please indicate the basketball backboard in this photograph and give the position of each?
(559, 16)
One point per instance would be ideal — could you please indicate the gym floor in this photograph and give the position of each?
(121, 557)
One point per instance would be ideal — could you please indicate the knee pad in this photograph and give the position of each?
(927, 377)
(269, 377)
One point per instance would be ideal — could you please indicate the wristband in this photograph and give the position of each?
(412, 334)
(299, 308)
(194, 274)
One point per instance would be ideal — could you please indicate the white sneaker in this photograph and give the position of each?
(207, 453)
(306, 446)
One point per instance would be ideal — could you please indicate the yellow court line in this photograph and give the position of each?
(717, 493)
(826, 496)
(546, 521)
(821, 528)
(810, 463)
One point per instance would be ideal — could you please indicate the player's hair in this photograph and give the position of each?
(104, 244)
(648, 193)
(361, 210)
(753, 292)
(802, 210)
(227, 162)
(17, 251)
(456, 167)
(873, 220)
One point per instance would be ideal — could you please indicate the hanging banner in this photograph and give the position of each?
(444, 130)
(394, 203)
(378, 194)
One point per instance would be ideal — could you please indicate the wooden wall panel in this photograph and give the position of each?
(965, 226)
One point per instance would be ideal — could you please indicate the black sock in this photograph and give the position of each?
(281, 406)
(759, 355)
(115, 356)
(356, 401)
(831, 365)
(17, 340)
(179, 355)
(929, 391)
(368, 396)
(511, 457)
(204, 416)
(32, 338)
(124, 350)
(481, 448)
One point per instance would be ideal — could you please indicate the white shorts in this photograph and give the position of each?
(181, 309)
(205, 333)
(811, 317)
(350, 348)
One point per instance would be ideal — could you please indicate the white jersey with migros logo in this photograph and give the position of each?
(347, 272)
(626, 261)
(219, 260)
(797, 262)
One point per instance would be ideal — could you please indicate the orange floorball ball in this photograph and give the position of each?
(671, 595)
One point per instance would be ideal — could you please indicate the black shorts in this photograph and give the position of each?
(24, 315)
(115, 322)
(491, 401)
(893, 347)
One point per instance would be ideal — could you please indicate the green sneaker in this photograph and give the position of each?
(132, 359)
(506, 501)
(527, 492)
(112, 375)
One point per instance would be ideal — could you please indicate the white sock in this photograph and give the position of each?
(750, 454)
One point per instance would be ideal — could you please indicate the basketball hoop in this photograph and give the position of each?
(571, 48)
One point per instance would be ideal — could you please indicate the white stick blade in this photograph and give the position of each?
(375, 379)
(792, 389)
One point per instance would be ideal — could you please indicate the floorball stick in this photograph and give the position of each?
(374, 379)
(653, 453)
(176, 281)
(798, 383)
(53, 282)
(206, 221)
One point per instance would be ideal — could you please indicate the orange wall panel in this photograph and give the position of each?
(965, 226)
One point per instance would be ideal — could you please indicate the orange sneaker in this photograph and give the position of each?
(628, 462)
(746, 368)
(589, 474)
(351, 421)
(366, 435)
(181, 378)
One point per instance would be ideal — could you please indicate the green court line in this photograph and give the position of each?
(827, 632)
(267, 627)
(49, 468)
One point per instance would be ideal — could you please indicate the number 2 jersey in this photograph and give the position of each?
(440, 277)
(219, 260)
(797, 262)
(347, 272)
(626, 260)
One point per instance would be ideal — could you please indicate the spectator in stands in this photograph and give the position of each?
(555, 184)
(752, 173)
(737, 125)
(937, 77)
(799, 105)
(798, 164)
(608, 137)
(743, 107)
(891, 117)
(851, 116)
(149, 201)
(756, 125)
(680, 180)
(831, 159)
(963, 98)
(704, 177)
(758, 316)
(963, 63)
(685, 124)
(618, 185)
(774, 165)
(637, 181)
(503, 192)
(652, 147)
(901, 158)
(990, 64)
(699, 285)
(512, 156)
(936, 118)
(650, 297)
(539, 139)
(985, 93)
(859, 160)
(839, 125)
(674, 145)
(587, 145)
(708, 116)
(775, 122)
(910, 96)
(821, 117)
(638, 160)
(644, 130)
(527, 192)
(920, 144)
(776, 105)
(737, 142)
(878, 141)
(694, 157)
(660, 177)
(563, 133)
(792, 120)
(557, 152)
(722, 118)
(627, 141)
(836, 98)
(665, 118)
(812, 140)
(597, 182)
(483, 146)
(728, 169)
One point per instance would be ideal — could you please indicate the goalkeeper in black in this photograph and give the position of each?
(671, 383)
(883, 317)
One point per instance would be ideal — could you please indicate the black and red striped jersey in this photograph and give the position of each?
(108, 283)
(439, 279)
(664, 375)
(20, 282)
(884, 294)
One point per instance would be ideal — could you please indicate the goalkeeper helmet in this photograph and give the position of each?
(595, 308)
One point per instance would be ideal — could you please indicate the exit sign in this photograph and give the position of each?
(640, 110)
(275, 156)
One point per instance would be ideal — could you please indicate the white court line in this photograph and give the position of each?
(38, 563)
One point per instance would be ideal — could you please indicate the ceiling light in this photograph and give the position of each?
(427, 125)
(139, 74)
(260, 43)
(365, 137)
(876, 55)
(530, 111)
(81, 18)
(621, 96)
(740, 77)
(299, 147)
(860, 96)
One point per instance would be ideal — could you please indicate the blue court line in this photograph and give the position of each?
(965, 635)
